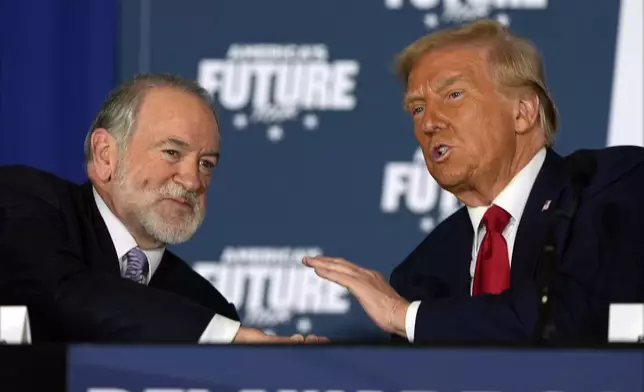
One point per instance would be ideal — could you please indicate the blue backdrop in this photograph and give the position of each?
(57, 64)
(318, 156)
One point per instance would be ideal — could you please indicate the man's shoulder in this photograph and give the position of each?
(444, 231)
(443, 235)
(613, 163)
(184, 272)
(619, 156)
(27, 178)
(20, 171)
(34, 184)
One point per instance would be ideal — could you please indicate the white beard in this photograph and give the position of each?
(162, 222)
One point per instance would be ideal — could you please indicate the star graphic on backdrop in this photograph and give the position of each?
(504, 19)
(304, 325)
(240, 121)
(275, 133)
(310, 122)
(426, 224)
(431, 21)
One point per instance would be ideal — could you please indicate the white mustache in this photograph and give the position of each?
(177, 191)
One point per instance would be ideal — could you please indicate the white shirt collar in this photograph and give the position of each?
(514, 196)
(121, 237)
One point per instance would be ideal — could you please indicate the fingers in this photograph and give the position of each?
(254, 336)
(332, 263)
(297, 338)
(342, 272)
(343, 279)
(316, 339)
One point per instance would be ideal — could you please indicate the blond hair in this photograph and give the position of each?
(514, 61)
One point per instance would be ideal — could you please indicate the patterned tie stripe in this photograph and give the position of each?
(137, 266)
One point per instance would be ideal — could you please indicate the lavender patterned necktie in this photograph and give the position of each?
(137, 266)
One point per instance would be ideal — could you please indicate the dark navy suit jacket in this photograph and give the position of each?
(600, 262)
(57, 257)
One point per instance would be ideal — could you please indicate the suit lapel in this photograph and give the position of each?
(109, 262)
(535, 220)
(460, 252)
(163, 276)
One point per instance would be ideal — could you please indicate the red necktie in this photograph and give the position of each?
(492, 274)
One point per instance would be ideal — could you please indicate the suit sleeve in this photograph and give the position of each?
(603, 264)
(69, 302)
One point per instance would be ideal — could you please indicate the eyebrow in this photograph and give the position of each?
(185, 145)
(409, 98)
(439, 85)
(446, 82)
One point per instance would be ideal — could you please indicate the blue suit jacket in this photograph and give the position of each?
(602, 263)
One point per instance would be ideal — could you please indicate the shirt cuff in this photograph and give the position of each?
(220, 330)
(410, 320)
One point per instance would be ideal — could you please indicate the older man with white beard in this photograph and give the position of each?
(90, 261)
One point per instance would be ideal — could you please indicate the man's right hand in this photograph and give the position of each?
(252, 335)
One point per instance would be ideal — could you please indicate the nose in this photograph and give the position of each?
(432, 122)
(188, 177)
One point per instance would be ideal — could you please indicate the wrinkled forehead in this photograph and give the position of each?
(166, 112)
(438, 69)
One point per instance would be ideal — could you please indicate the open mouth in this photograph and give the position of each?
(440, 152)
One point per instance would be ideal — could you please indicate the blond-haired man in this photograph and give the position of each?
(485, 122)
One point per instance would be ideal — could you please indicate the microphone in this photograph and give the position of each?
(581, 167)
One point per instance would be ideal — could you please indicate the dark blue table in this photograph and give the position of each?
(354, 368)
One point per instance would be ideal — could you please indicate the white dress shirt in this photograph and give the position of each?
(220, 329)
(512, 199)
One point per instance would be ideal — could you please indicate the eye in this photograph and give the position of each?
(172, 153)
(416, 110)
(455, 94)
(207, 165)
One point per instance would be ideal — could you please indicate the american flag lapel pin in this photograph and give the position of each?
(546, 205)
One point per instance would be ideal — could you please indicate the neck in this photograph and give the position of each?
(487, 186)
(142, 238)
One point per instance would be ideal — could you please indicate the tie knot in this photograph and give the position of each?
(495, 219)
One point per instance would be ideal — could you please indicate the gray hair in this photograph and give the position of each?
(119, 111)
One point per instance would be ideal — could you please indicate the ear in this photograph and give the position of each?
(104, 154)
(526, 111)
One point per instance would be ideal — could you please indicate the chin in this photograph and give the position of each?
(172, 232)
(175, 240)
(450, 180)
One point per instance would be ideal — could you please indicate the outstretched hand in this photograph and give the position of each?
(379, 300)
